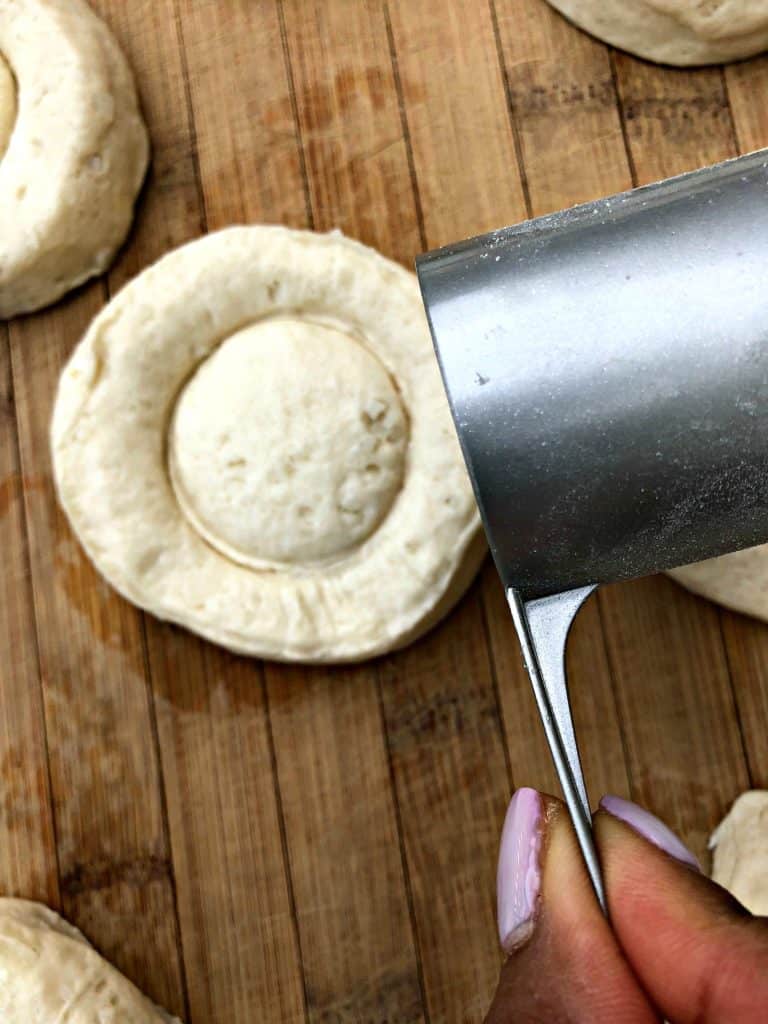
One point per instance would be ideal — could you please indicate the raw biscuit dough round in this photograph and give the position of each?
(740, 851)
(76, 150)
(50, 973)
(252, 440)
(684, 32)
(738, 580)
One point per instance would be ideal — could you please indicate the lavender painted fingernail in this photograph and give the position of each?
(518, 881)
(649, 827)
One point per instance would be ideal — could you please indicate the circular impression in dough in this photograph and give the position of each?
(738, 580)
(675, 31)
(252, 440)
(73, 150)
(49, 973)
(740, 845)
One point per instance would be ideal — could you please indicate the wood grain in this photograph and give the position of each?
(563, 102)
(440, 702)
(264, 842)
(113, 858)
(452, 784)
(451, 88)
(114, 872)
(244, 131)
(28, 863)
(675, 120)
(236, 915)
(746, 647)
(113, 855)
(357, 945)
(746, 84)
(352, 143)
(354, 914)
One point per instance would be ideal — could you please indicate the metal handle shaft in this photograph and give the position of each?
(542, 627)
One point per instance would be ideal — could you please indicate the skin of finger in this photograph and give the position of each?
(698, 953)
(571, 970)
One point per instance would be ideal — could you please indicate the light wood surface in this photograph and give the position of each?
(258, 842)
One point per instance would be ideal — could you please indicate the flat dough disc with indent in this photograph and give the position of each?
(73, 150)
(740, 851)
(675, 31)
(738, 580)
(50, 974)
(253, 441)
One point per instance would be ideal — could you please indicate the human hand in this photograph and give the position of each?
(679, 947)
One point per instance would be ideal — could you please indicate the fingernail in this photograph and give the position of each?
(649, 827)
(518, 881)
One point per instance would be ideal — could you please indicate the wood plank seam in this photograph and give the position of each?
(497, 695)
(262, 682)
(751, 772)
(295, 113)
(417, 939)
(513, 125)
(155, 737)
(243, 192)
(228, 878)
(191, 116)
(17, 370)
(396, 812)
(152, 715)
(613, 671)
(622, 116)
(731, 116)
(425, 245)
(152, 718)
(204, 230)
(286, 851)
(265, 689)
(152, 689)
(273, 752)
(405, 126)
(40, 697)
(438, 991)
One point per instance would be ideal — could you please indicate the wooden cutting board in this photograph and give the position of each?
(256, 842)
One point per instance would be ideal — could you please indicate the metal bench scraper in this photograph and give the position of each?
(607, 370)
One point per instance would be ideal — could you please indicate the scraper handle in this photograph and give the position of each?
(542, 627)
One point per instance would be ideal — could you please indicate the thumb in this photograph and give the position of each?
(698, 953)
(563, 963)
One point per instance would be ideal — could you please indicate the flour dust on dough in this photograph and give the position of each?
(684, 32)
(73, 150)
(740, 851)
(738, 580)
(252, 440)
(49, 973)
